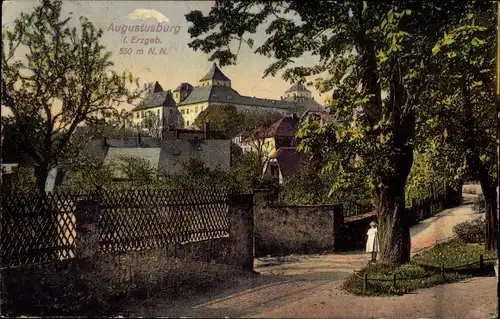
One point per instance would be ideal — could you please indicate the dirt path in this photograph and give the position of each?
(308, 286)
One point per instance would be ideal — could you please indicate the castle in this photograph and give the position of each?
(180, 107)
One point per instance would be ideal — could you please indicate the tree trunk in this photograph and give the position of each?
(490, 198)
(394, 228)
(460, 190)
(41, 175)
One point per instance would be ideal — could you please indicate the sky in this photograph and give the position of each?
(178, 63)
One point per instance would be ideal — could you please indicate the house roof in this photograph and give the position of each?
(290, 161)
(157, 99)
(227, 95)
(214, 153)
(307, 104)
(215, 74)
(149, 153)
(284, 127)
(297, 87)
(183, 86)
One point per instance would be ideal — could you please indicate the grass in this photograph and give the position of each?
(454, 254)
(424, 269)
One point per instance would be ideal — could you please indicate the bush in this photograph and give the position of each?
(479, 204)
(380, 280)
(471, 231)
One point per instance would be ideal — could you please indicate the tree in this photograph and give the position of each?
(258, 141)
(363, 48)
(464, 105)
(153, 125)
(122, 119)
(223, 118)
(65, 79)
(229, 121)
(89, 174)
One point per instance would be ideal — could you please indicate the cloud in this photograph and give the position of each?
(144, 14)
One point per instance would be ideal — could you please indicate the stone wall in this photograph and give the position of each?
(85, 285)
(285, 229)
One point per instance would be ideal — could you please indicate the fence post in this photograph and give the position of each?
(241, 230)
(481, 262)
(394, 279)
(442, 270)
(365, 282)
(87, 231)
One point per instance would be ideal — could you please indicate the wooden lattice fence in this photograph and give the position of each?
(35, 229)
(148, 219)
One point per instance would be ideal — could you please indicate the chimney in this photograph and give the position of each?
(206, 130)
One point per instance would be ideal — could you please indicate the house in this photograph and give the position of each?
(157, 109)
(284, 164)
(186, 102)
(266, 140)
(188, 134)
(167, 157)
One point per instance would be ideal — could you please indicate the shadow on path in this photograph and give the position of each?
(284, 280)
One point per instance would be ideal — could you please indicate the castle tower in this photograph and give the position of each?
(182, 91)
(297, 90)
(215, 77)
(152, 87)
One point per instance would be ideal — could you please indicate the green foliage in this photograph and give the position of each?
(227, 120)
(61, 65)
(354, 284)
(462, 125)
(21, 180)
(453, 254)
(305, 189)
(426, 179)
(138, 170)
(471, 231)
(427, 264)
(247, 172)
(311, 188)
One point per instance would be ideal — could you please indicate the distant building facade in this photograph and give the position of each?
(158, 106)
(180, 107)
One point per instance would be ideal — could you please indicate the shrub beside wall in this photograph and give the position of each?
(470, 232)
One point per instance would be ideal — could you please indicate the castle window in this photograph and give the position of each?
(170, 111)
(138, 114)
(187, 123)
(158, 113)
(182, 111)
(187, 112)
(196, 109)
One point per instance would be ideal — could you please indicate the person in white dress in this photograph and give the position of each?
(372, 242)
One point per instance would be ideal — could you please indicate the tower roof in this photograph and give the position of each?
(153, 87)
(183, 86)
(297, 87)
(215, 74)
(169, 100)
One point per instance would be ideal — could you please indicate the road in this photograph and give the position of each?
(309, 286)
